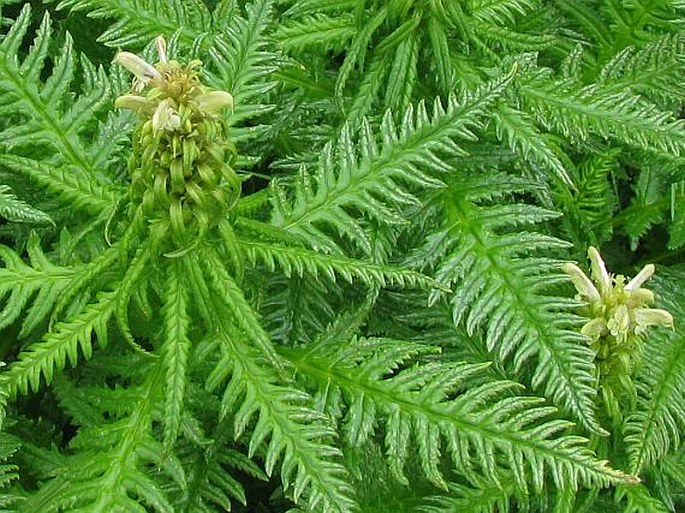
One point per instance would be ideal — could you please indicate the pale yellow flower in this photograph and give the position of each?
(615, 308)
(165, 117)
(171, 85)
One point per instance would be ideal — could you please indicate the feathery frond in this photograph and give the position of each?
(44, 358)
(175, 350)
(367, 176)
(46, 117)
(107, 474)
(492, 262)
(15, 210)
(140, 21)
(655, 427)
(241, 64)
(297, 434)
(431, 406)
(580, 112)
(313, 256)
(48, 121)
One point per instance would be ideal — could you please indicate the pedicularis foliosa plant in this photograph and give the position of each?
(342, 256)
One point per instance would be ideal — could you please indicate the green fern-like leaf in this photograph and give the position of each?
(676, 238)
(578, 112)
(15, 210)
(594, 201)
(499, 282)
(299, 261)
(654, 428)
(175, 350)
(140, 21)
(465, 499)
(210, 463)
(639, 500)
(21, 282)
(524, 138)
(9, 445)
(295, 432)
(430, 406)
(49, 122)
(320, 30)
(370, 177)
(242, 65)
(80, 193)
(45, 358)
(107, 472)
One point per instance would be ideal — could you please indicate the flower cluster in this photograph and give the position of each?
(616, 308)
(619, 314)
(180, 165)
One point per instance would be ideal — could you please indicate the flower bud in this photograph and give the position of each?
(594, 329)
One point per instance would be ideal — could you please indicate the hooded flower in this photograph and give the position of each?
(166, 117)
(614, 307)
(167, 83)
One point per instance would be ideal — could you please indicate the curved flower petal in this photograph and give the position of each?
(165, 117)
(141, 69)
(160, 42)
(134, 103)
(640, 297)
(581, 282)
(645, 317)
(215, 101)
(598, 268)
(645, 274)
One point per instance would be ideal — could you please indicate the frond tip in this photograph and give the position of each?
(15, 210)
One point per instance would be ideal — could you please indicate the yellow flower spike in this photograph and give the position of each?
(180, 171)
(618, 317)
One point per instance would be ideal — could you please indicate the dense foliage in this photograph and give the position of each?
(329, 267)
